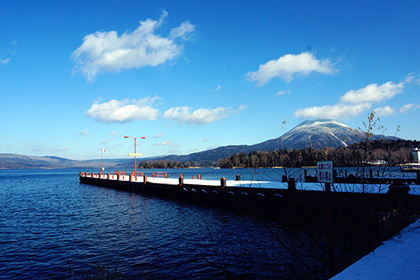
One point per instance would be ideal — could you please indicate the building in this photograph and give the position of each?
(416, 155)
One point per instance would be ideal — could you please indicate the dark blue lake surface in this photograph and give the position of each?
(53, 227)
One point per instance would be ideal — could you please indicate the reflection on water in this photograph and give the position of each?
(51, 226)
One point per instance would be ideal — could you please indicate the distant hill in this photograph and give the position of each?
(15, 161)
(317, 134)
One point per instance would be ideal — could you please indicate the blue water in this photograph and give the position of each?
(53, 227)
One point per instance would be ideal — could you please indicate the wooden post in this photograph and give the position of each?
(291, 184)
(223, 182)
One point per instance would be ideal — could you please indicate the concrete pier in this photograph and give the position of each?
(290, 194)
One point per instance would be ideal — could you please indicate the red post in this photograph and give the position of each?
(223, 182)
(181, 179)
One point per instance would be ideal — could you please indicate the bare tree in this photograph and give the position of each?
(366, 135)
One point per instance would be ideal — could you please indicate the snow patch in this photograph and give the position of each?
(342, 142)
(397, 258)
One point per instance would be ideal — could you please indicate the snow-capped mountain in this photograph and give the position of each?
(321, 134)
(317, 134)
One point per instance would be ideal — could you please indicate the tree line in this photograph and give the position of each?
(379, 152)
(165, 164)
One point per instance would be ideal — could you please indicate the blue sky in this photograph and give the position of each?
(76, 76)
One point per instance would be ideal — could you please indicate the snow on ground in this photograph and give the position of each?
(200, 182)
(344, 187)
(398, 258)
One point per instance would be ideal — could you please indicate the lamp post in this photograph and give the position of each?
(102, 157)
(135, 144)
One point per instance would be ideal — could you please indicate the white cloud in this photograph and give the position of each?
(83, 132)
(11, 49)
(164, 143)
(219, 87)
(332, 112)
(384, 111)
(105, 141)
(282, 92)
(114, 133)
(123, 110)
(199, 116)
(355, 102)
(407, 107)
(4, 61)
(159, 135)
(182, 31)
(107, 52)
(287, 66)
(373, 93)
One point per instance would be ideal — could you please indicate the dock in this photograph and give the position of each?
(260, 194)
(195, 189)
(368, 213)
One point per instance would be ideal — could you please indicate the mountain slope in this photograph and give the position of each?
(320, 134)
(317, 134)
(15, 161)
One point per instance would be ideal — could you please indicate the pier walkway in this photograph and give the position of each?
(161, 179)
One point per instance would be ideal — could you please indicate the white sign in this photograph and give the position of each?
(134, 155)
(325, 171)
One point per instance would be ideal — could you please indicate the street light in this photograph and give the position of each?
(135, 138)
(102, 157)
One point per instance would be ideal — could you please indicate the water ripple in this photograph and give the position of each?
(53, 227)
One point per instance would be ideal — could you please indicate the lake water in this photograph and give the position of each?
(53, 227)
